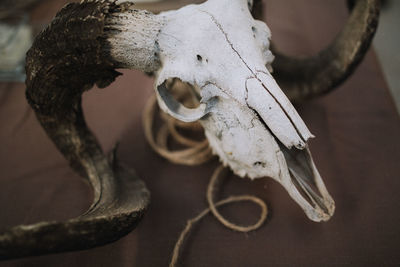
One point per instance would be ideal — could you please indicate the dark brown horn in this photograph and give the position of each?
(71, 55)
(305, 78)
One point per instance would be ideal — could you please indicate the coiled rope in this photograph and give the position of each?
(195, 152)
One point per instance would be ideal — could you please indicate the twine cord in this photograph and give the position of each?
(196, 152)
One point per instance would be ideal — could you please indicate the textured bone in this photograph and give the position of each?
(224, 53)
(265, 96)
(220, 49)
(133, 40)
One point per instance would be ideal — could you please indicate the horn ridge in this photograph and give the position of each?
(66, 59)
(305, 78)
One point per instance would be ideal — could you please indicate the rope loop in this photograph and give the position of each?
(195, 152)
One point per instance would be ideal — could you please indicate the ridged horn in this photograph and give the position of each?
(83, 46)
(305, 78)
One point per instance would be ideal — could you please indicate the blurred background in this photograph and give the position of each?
(386, 43)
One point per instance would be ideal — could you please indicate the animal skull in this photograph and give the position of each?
(216, 53)
(219, 49)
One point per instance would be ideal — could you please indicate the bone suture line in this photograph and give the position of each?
(196, 153)
(219, 26)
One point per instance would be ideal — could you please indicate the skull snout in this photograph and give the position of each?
(264, 96)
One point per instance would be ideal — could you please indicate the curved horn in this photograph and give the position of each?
(82, 47)
(304, 78)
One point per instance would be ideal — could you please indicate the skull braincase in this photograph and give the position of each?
(220, 50)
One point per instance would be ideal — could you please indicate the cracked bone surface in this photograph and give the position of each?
(223, 53)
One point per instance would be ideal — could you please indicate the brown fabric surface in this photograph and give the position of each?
(356, 151)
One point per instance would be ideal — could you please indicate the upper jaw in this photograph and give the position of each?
(298, 173)
(305, 185)
(244, 141)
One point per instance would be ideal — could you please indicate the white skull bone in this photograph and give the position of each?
(251, 125)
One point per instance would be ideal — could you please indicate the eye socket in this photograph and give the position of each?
(185, 93)
(180, 100)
